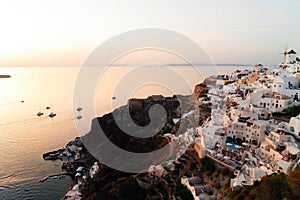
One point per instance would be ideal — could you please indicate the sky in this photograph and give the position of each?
(57, 33)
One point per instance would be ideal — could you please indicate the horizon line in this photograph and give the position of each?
(120, 65)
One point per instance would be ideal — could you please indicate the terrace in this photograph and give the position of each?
(275, 95)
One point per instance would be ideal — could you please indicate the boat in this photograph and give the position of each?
(79, 109)
(39, 114)
(79, 117)
(44, 179)
(52, 115)
(61, 176)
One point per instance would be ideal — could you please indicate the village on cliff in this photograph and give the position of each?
(241, 133)
(246, 133)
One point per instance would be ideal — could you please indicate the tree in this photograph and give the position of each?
(207, 165)
(294, 182)
(183, 192)
(274, 187)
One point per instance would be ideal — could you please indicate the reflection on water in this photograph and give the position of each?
(24, 136)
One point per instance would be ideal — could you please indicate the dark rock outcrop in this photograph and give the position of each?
(114, 184)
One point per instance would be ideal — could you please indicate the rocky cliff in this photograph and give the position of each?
(114, 184)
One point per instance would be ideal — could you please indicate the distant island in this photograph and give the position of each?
(196, 64)
(209, 64)
(5, 76)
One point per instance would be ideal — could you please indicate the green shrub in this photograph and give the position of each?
(183, 192)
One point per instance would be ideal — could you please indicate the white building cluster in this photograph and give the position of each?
(242, 133)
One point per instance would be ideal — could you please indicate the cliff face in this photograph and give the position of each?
(113, 184)
(139, 113)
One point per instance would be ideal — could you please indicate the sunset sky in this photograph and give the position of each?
(55, 32)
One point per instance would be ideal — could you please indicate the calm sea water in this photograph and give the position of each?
(24, 137)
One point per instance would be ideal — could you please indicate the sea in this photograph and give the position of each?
(24, 136)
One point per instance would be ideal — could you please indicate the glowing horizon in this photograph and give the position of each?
(38, 33)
